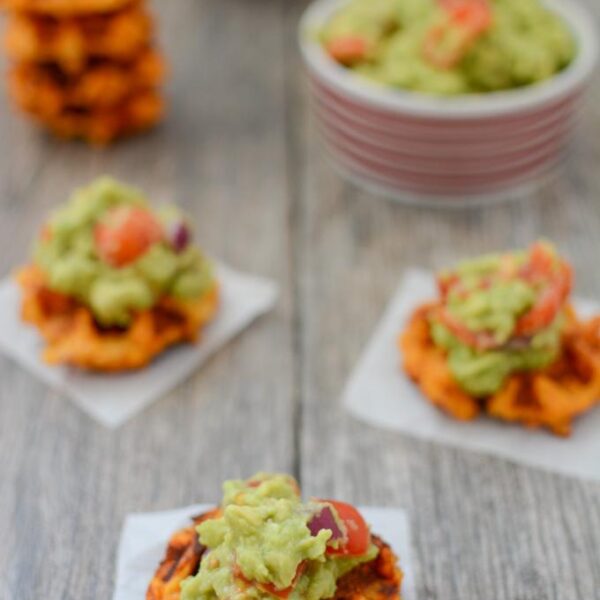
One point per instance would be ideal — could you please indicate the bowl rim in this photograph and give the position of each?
(418, 104)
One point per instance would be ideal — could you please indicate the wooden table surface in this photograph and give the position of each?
(239, 151)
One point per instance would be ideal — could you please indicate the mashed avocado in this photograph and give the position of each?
(261, 542)
(482, 373)
(525, 44)
(483, 306)
(67, 253)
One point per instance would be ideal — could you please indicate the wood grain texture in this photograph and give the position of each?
(67, 483)
(482, 527)
(239, 151)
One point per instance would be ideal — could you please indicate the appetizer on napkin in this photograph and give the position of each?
(502, 338)
(265, 542)
(113, 283)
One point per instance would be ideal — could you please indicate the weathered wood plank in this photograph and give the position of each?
(239, 151)
(66, 482)
(483, 528)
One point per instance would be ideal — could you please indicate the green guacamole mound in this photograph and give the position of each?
(526, 44)
(264, 534)
(495, 310)
(69, 259)
(482, 374)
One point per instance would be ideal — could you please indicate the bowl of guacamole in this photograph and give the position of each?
(447, 99)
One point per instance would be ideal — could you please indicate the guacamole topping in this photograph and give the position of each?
(501, 314)
(449, 47)
(110, 251)
(267, 543)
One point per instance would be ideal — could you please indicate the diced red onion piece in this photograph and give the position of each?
(325, 519)
(179, 236)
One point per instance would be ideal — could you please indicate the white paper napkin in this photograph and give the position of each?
(379, 393)
(145, 536)
(113, 399)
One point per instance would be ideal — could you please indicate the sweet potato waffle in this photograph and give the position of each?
(65, 8)
(70, 43)
(85, 69)
(45, 91)
(379, 579)
(74, 338)
(551, 398)
(100, 127)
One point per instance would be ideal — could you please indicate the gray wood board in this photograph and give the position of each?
(67, 483)
(239, 150)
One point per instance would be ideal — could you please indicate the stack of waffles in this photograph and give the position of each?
(85, 69)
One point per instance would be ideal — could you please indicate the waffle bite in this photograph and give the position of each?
(71, 42)
(264, 543)
(114, 283)
(85, 69)
(503, 339)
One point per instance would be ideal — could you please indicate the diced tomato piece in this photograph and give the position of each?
(348, 50)
(548, 305)
(359, 536)
(544, 269)
(474, 15)
(468, 20)
(125, 234)
(446, 283)
(542, 264)
(478, 340)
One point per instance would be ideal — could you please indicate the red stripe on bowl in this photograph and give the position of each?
(457, 166)
(445, 130)
(402, 174)
(452, 193)
(443, 137)
(498, 146)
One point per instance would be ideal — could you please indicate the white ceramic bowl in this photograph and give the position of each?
(446, 150)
